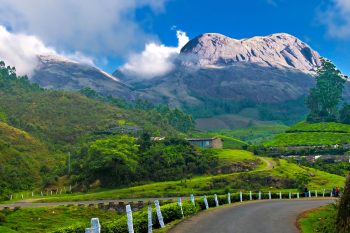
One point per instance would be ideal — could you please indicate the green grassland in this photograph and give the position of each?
(51, 218)
(319, 220)
(306, 134)
(254, 134)
(268, 174)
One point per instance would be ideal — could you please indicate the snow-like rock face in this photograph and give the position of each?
(281, 50)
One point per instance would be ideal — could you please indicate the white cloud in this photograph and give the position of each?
(336, 18)
(22, 50)
(155, 60)
(94, 27)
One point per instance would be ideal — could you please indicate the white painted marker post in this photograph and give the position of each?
(206, 202)
(309, 193)
(315, 193)
(240, 197)
(159, 214)
(269, 195)
(280, 195)
(324, 191)
(250, 196)
(290, 195)
(229, 198)
(192, 200)
(51, 192)
(259, 196)
(331, 193)
(130, 219)
(32, 194)
(216, 200)
(150, 222)
(298, 195)
(179, 202)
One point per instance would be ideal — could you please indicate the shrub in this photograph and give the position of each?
(2, 218)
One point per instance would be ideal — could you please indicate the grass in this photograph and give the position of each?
(269, 175)
(33, 220)
(319, 220)
(255, 134)
(307, 134)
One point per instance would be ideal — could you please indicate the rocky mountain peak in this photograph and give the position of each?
(280, 50)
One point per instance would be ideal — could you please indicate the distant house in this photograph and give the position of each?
(206, 142)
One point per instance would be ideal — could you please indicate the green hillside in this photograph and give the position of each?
(266, 174)
(21, 159)
(313, 134)
(229, 142)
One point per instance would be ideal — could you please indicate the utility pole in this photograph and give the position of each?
(68, 163)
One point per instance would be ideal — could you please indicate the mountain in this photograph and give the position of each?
(216, 75)
(58, 72)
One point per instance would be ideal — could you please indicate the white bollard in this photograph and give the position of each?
(229, 198)
(298, 195)
(290, 195)
(315, 193)
(192, 200)
(269, 195)
(159, 214)
(240, 197)
(216, 200)
(324, 191)
(280, 195)
(331, 193)
(150, 221)
(309, 193)
(51, 192)
(179, 202)
(130, 219)
(32, 194)
(206, 202)
(259, 196)
(250, 196)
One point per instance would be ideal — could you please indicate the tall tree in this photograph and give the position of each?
(343, 217)
(324, 99)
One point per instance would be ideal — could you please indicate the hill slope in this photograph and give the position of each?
(21, 159)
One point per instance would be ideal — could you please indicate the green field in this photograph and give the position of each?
(319, 220)
(51, 218)
(306, 134)
(268, 174)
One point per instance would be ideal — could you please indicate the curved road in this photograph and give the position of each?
(275, 216)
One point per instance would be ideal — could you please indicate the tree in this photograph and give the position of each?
(112, 160)
(343, 217)
(324, 99)
(345, 114)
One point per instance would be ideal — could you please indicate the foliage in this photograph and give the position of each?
(47, 219)
(175, 117)
(319, 220)
(112, 160)
(175, 159)
(324, 99)
(343, 215)
(170, 213)
(345, 114)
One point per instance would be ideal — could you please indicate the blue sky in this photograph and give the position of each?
(247, 18)
(140, 33)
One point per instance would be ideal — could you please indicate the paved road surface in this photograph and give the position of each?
(276, 216)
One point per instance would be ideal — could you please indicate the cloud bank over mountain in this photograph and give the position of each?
(156, 59)
(91, 27)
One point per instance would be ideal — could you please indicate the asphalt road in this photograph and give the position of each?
(276, 216)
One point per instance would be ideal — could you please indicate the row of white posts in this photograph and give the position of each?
(96, 227)
(32, 194)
